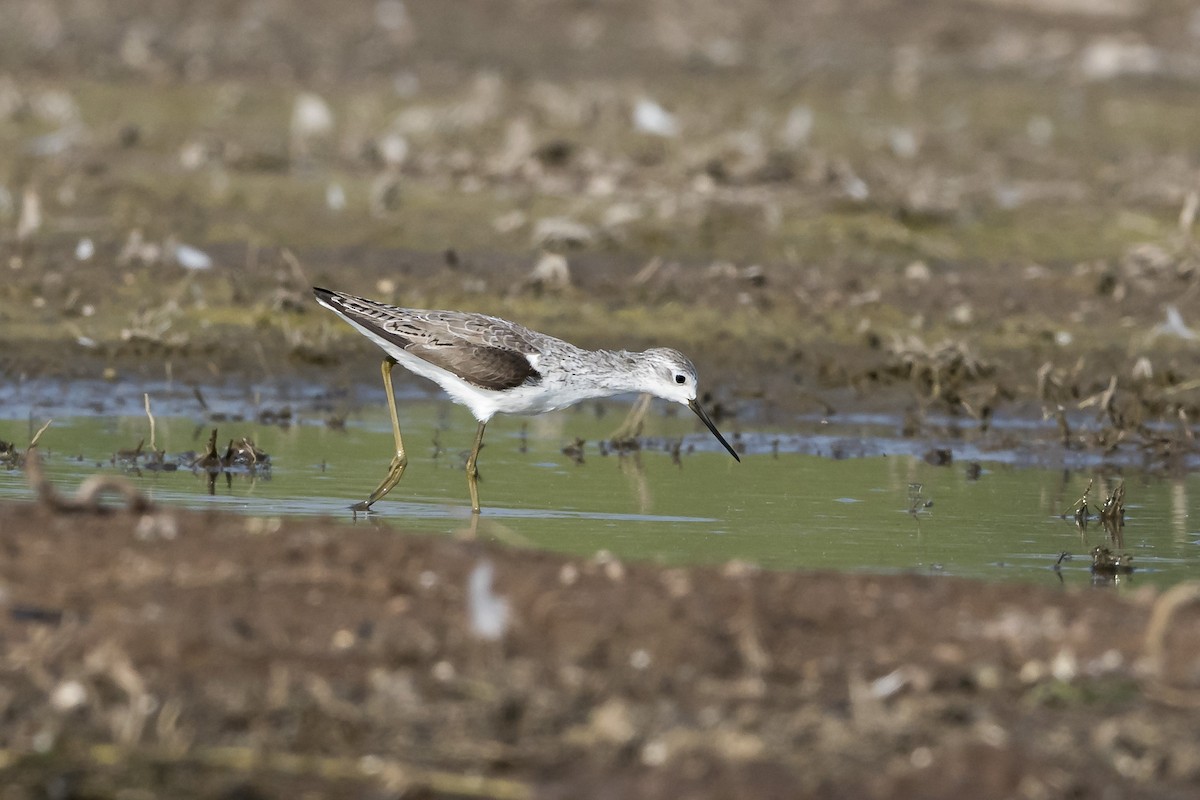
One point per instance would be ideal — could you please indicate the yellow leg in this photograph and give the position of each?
(400, 460)
(472, 472)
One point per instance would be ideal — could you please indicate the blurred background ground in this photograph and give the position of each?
(959, 205)
(805, 195)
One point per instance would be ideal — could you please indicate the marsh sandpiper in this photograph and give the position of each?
(492, 366)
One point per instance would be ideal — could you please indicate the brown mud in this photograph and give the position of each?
(205, 655)
(963, 208)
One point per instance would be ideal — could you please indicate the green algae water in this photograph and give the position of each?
(678, 500)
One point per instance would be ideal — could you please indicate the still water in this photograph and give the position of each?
(782, 507)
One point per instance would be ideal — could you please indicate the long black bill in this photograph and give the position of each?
(694, 406)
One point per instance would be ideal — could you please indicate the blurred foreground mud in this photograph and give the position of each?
(206, 655)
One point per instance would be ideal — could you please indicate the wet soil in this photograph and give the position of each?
(953, 207)
(948, 207)
(205, 655)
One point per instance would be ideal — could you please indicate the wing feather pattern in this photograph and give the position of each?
(488, 352)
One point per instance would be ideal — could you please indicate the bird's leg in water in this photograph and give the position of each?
(400, 460)
(472, 472)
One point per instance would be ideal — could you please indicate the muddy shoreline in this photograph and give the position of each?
(202, 652)
(765, 349)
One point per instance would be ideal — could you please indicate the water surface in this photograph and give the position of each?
(679, 500)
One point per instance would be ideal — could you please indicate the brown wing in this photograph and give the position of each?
(488, 352)
(483, 366)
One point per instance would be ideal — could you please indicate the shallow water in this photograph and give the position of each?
(782, 507)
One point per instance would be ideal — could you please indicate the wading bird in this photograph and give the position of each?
(492, 366)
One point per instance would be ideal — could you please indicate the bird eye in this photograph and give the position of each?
(680, 378)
